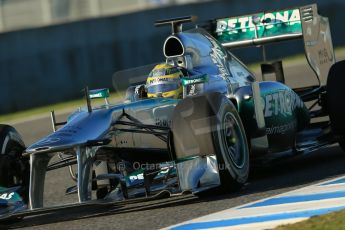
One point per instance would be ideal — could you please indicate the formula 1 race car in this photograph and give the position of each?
(155, 146)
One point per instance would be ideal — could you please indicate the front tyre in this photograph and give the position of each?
(14, 169)
(230, 143)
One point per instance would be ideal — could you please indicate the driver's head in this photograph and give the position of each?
(164, 81)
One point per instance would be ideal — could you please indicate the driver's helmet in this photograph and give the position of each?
(164, 81)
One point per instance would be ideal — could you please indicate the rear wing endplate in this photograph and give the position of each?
(275, 26)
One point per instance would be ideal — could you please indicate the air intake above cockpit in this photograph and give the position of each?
(173, 47)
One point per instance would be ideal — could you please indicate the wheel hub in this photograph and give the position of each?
(232, 141)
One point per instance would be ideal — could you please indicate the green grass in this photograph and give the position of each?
(331, 221)
(40, 110)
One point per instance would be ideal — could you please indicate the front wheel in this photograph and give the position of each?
(14, 169)
(230, 143)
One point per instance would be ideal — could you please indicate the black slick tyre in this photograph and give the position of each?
(230, 143)
(335, 101)
(14, 169)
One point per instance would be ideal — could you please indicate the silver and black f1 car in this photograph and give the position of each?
(154, 147)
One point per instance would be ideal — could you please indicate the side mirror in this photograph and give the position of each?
(99, 93)
(194, 80)
(96, 93)
(187, 82)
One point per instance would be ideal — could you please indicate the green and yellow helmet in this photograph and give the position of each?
(164, 81)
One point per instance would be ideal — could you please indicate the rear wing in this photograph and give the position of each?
(282, 25)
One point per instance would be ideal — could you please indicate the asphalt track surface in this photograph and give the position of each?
(265, 181)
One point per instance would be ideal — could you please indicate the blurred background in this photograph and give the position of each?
(19, 14)
(51, 49)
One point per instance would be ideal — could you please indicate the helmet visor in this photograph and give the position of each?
(162, 88)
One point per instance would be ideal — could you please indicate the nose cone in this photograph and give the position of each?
(82, 128)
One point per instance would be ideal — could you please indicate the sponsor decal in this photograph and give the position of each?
(242, 24)
(281, 103)
(136, 177)
(195, 84)
(162, 122)
(99, 93)
(281, 129)
(162, 79)
(96, 95)
(324, 56)
(258, 25)
(219, 59)
(195, 80)
(136, 90)
(6, 196)
(191, 90)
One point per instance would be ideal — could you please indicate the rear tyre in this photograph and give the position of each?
(14, 169)
(335, 101)
(230, 143)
